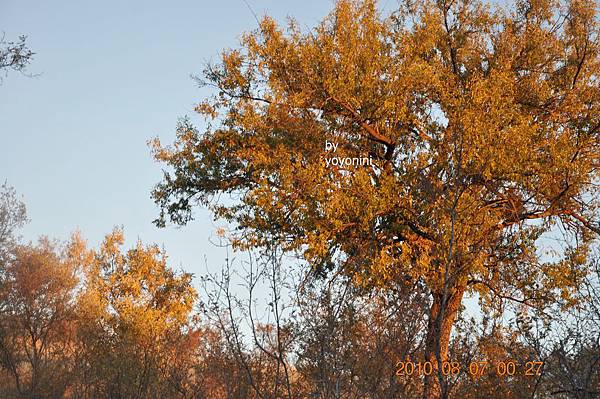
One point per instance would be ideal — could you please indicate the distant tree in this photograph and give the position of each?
(571, 343)
(37, 319)
(350, 342)
(258, 357)
(134, 314)
(323, 336)
(13, 215)
(14, 55)
(484, 127)
(566, 340)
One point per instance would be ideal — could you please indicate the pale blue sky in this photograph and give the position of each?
(113, 74)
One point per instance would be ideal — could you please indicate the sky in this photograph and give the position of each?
(109, 76)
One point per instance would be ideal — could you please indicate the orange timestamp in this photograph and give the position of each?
(475, 369)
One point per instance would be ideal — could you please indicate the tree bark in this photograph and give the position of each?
(441, 320)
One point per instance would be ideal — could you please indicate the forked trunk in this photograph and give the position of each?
(438, 339)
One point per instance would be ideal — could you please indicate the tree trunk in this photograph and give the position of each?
(438, 339)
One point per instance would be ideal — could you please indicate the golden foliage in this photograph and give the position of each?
(484, 123)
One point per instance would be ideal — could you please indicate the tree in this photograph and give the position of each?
(260, 359)
(135, 316)
(571, 342)
(351, 342)
(37, 319)
(13, 215)
(484, 130)
(319, 337)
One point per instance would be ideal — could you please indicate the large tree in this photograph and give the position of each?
(484, 127)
